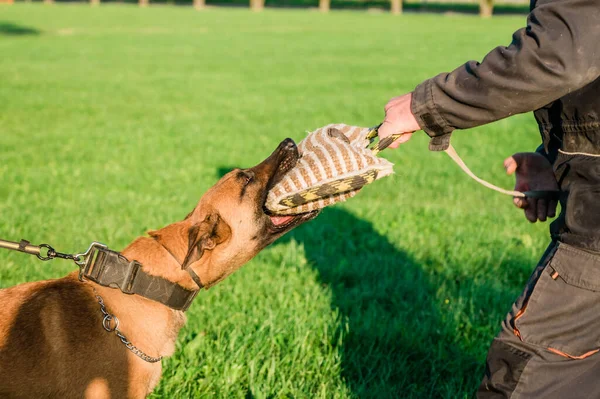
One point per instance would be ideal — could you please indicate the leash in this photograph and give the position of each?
(456, 158)
(26, 247)
(538, 194)
(386, 142)
(111, 269)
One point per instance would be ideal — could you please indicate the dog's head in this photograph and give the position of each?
(229, 226)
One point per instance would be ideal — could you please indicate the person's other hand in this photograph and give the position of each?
(398, 119)
(533, 172)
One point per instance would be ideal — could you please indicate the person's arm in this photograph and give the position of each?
(558, 52)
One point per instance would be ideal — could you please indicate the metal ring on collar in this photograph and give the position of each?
(106, 323)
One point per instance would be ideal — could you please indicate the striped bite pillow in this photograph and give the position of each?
(335, 164)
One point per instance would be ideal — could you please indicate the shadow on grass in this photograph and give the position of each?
(395, 343)
(399, 338)
(10, 29)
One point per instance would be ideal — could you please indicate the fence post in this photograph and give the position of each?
(324, 5)
(257, 5)
(486, 8)
(396, 7)
(199, 4)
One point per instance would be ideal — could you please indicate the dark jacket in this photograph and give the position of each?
(551, 67)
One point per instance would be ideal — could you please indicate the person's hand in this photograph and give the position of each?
(534, 172)
(398, 119)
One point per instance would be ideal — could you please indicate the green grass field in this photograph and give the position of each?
(114, 120)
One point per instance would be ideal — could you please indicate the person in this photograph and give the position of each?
(549, 343)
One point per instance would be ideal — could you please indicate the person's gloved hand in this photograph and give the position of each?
(398, 119)
(533, 172)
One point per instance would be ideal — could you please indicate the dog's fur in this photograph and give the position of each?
(52, 344)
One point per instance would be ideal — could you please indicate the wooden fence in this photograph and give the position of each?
(486, 7)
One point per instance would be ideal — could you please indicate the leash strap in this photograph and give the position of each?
(456, 158)
(22, 246)
(386, 142)
(37, 250)
(538, 194)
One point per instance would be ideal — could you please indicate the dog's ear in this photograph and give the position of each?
(205, 236)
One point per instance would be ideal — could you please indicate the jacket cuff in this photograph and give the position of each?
(428, 117)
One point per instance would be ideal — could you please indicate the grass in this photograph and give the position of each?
(114, 120)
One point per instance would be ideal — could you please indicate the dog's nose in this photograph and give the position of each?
(287, 144)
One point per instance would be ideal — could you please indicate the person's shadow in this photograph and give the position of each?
(399, 341)
(389, 306)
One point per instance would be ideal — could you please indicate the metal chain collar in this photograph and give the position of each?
(111, 323)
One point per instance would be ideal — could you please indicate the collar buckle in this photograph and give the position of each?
(127, 283)
(87, 260)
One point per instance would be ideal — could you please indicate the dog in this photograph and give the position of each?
(52, 340)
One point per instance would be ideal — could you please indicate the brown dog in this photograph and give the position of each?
(52, 340)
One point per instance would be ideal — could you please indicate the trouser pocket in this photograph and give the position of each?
(562, 312)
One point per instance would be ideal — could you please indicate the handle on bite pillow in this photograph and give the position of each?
(382, 144)
(527, 194)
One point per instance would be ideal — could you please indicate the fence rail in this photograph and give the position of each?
(485, 8)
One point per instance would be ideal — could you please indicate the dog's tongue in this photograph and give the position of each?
(281, 220)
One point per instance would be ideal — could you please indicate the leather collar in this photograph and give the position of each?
(111, 269)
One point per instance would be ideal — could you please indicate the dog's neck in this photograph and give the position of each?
(151, 325)
(162, 254)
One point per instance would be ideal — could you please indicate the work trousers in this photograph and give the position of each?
(549, 343)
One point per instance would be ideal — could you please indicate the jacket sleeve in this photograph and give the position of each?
(558, 52)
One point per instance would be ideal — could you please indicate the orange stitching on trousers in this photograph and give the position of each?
(563, 354)
(519, 314)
